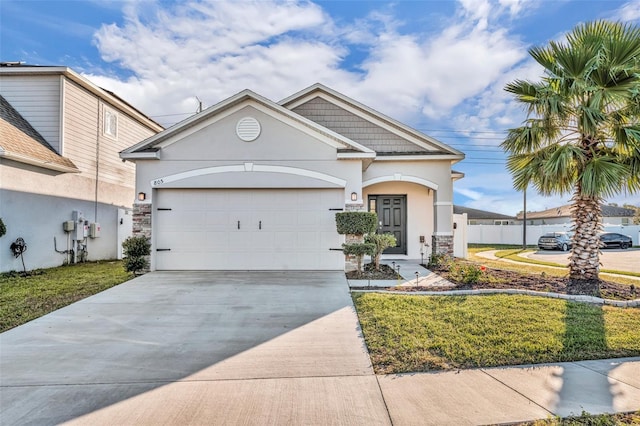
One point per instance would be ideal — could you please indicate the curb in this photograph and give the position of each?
(574, 297)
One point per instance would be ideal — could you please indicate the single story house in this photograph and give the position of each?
(253, 184)
(611, 215)
(483, 217)
(63, 188)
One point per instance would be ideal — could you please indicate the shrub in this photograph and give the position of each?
(380, 242)
(3, 229)
(467, 274)
(439, 262)
(358, 250)
(356, 223)
(135, 250)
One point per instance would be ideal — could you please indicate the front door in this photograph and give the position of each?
(392, 219)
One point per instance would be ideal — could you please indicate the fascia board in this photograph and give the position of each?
(454, 158)
(31, 161)
(140, 155)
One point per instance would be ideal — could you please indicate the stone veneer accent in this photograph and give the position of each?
(442, 244)
(142, 220)
(142, 225)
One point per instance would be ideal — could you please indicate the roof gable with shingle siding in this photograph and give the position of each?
(355, 128)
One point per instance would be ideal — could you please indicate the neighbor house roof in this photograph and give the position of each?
(17, 68)
(479, 214)
(565, 211)
(19, 141)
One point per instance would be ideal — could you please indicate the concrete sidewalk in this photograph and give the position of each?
(513, 394)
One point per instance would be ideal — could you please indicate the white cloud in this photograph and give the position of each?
(629, 12)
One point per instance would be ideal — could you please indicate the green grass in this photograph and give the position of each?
(535, 266)
(23, 299)
(423, 333)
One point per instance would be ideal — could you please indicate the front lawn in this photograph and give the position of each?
(23, 299)
(425, 333)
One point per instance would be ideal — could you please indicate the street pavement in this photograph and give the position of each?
(264, 348)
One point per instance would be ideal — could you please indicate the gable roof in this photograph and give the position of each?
(18, 68)
(149, 147)
(479, 214)
(389, 138)
(21, 142)
(565, 211)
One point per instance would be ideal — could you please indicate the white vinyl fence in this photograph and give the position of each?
(512, 234)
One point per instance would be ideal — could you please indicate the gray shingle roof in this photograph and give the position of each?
(565, 211)
(479, 214)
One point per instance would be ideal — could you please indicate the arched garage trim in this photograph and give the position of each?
(402, 178)
(248, 168)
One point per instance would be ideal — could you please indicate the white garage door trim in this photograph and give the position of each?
(247, 229)
(248, 167)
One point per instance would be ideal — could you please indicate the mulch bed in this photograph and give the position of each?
(503, 279)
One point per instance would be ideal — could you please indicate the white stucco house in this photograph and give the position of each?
(611, 215)
(60, 136)
(254, 184)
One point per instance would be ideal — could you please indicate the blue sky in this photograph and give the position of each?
(439, 66)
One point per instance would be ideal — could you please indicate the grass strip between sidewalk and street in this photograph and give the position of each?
(23, 299)
(406, 333)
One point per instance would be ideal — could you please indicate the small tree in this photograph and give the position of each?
(3, 229)
(135, 250)
(357, 224)
(380, 243)
(359, 250)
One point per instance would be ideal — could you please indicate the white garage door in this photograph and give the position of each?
(247, 229)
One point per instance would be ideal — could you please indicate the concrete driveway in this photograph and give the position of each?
(195, 348)
(617, 259)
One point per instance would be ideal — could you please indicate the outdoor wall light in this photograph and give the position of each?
(354, 196)
(142, 196)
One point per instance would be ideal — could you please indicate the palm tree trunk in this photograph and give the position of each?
(584, 262)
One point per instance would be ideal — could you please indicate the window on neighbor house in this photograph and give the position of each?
(473, 222)
(500, 222)
(625, 221)
(110, 126)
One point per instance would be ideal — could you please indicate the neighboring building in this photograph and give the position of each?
(254, 184)
(482, 217)
(60, 136)
(611, 215)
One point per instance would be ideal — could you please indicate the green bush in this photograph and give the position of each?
(356, 223)
(3, 229)
(358, 250)
(467, 274)
(439, 262)
(381, 242)
(135, 250)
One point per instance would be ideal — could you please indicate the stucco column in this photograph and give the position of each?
(442, 239)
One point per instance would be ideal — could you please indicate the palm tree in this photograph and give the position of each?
(582, 131)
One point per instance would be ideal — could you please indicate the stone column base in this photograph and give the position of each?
(442, 244)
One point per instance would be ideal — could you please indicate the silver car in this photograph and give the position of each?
(555, 241)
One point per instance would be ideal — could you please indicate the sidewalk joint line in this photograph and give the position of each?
(517, 391)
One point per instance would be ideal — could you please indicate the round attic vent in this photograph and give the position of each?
(248, 129)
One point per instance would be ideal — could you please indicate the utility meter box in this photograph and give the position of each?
(94, 230)
(68, 226)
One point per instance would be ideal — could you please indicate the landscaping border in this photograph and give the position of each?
(573, 297)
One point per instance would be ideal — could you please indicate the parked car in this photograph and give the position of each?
(555, 241)
(613, 239)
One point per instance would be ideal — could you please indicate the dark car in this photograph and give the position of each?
(555, 241)
(613, 239)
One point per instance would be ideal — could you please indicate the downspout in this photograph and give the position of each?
(95, 213)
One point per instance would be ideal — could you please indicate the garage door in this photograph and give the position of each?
(247, 229)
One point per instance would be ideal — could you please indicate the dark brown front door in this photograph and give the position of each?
(392, 219)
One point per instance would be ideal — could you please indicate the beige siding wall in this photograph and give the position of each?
(37, 99)
(84, 134)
